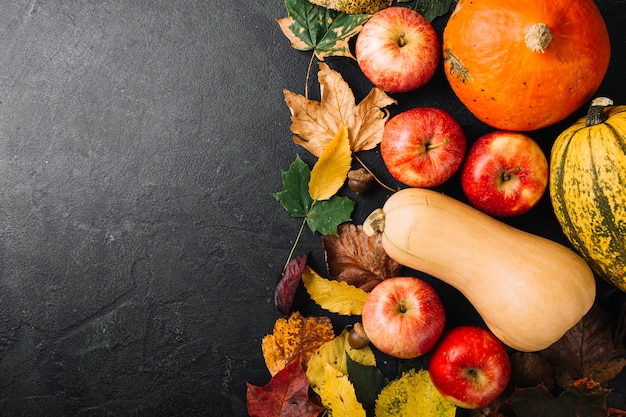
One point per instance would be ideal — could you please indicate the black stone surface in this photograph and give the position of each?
(139, 244)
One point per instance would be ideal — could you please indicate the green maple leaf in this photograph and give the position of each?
(326, 215)
(325, 31)
(320, 215)
(295, 197)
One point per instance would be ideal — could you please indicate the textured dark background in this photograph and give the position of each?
(139, 244)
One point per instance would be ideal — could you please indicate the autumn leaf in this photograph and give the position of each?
(334, 296)
(316, 122)
(286, 395)
(324, 31)
(295, 336)
(529, 369)
(295, 197)
(586, 351)
(368, 382)
(321, 216)
(336, 353)
(413, 394)
(331, 170)
(431, 9)
(326, 215)
(358, 259)
(354, 6)
(338, 395)
(582, 398)
(288, 284)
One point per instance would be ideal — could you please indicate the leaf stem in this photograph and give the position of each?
(295, 243)
(308, 75)
(385, 186)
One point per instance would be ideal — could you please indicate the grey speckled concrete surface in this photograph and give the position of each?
(139, 245)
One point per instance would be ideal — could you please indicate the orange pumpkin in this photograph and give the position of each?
(524, 65)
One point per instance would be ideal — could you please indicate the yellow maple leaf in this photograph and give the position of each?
(354, 6)
(296, 334)
(338, 395)
(413, 394)
(316, 122)
(333, 353)
(331, 170)
(335, 296)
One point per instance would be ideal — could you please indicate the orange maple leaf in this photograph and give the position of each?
(316, 122)
(296, 335)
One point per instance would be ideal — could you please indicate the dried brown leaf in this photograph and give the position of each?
(316, 122)
(358, 259)
(586, 351)
(529, 369)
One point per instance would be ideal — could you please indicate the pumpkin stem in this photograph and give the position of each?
(595, 114)
(538, 37)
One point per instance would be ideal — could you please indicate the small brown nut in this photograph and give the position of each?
(359, 180)
(357, 339)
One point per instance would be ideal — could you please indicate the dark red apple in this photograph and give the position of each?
(470, 367)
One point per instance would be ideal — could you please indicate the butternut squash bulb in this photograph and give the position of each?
(524, 65)
(529, 290)
(588, 188)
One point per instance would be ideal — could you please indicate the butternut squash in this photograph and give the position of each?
(529, 290)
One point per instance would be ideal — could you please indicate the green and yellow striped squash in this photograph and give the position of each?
(588, 188)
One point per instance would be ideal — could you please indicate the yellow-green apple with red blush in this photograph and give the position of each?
(423, 147)
(398, 49)
(403, 317)
(505, 173)
(470, 367)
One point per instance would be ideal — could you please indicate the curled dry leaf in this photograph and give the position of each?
(316, 122)
(358, 259)
(288, 284)
(296, 335)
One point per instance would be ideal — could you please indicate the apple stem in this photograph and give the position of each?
(402, 307)
(506, 175)
(431, 145)
(401, 41)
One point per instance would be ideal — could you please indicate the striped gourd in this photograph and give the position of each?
(588, 188)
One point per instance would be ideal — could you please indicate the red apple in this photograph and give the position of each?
(470, 367)
(403, 317)
(505, 174)
(398, 49)
(423, 147)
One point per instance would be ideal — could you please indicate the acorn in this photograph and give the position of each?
(359, 180)
(357, 339)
